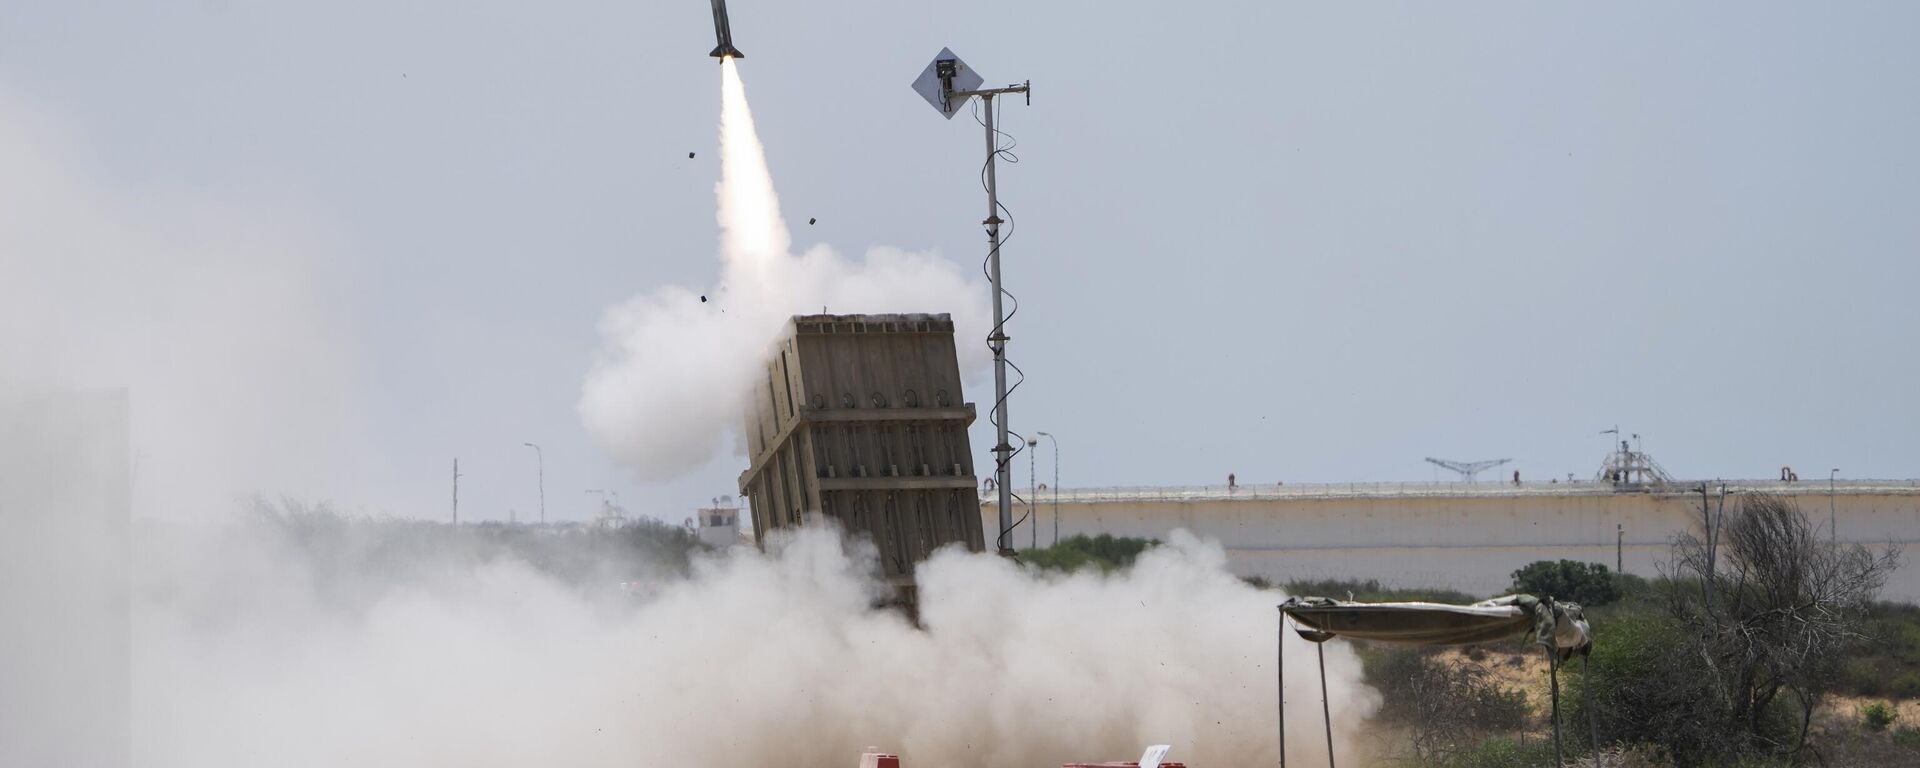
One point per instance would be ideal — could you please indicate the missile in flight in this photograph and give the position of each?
(724, 33)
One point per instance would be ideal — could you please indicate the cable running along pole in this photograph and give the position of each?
(947, 83)
(1002, 450)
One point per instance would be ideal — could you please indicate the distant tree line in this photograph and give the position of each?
(352, 557)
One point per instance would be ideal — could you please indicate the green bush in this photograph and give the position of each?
(1907, 685)
(1104, 552)
(1634, 589)
(1647, 690)
(1567, 580)
(1878, 715)
(1861, 676)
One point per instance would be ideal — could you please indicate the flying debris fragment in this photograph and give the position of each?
(724, 32)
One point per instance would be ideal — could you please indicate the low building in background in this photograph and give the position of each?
(718, 526)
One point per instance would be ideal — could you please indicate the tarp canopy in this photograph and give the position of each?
(1558, 625)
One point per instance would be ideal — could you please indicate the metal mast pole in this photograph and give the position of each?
(936, 85)
(456, 491)
(1002, 450)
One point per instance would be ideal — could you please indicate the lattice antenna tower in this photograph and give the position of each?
(1469, 470)
(1631, 466)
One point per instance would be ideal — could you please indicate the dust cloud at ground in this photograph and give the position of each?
(251, 656)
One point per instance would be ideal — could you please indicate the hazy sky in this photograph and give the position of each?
(1294, 241)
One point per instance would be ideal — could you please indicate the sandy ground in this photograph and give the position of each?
(1527, 673)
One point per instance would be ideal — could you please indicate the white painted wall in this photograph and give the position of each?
(1470, 543)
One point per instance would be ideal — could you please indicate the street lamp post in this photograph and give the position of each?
(1833, 531)
(1033, 498)
(541, 457)
(1056, 484)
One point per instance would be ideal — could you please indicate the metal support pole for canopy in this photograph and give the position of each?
(1586, 703)
(1553, 674)
(1325, 712)
(1280, 680)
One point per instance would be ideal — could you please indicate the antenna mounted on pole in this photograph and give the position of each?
(1469, 470)
(947, 83)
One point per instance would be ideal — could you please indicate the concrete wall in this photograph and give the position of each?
(1471, 543)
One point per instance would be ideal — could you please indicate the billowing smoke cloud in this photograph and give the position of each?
(161, 354)
(755, 660)
(674, 370)
(210, 315)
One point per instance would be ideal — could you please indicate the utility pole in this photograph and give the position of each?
(456, 492)
(541, 457)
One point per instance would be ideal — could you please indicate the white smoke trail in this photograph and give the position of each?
(673, 371)
(753, 237)
(756, 660)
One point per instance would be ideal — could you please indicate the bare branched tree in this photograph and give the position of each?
(1768, 605)
(1444, 706)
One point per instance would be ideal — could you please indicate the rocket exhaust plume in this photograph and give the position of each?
(751, 231)
(667, 390)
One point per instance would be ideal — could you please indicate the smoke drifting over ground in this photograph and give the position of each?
(211, 315)
(666, 390)
(260, 657)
